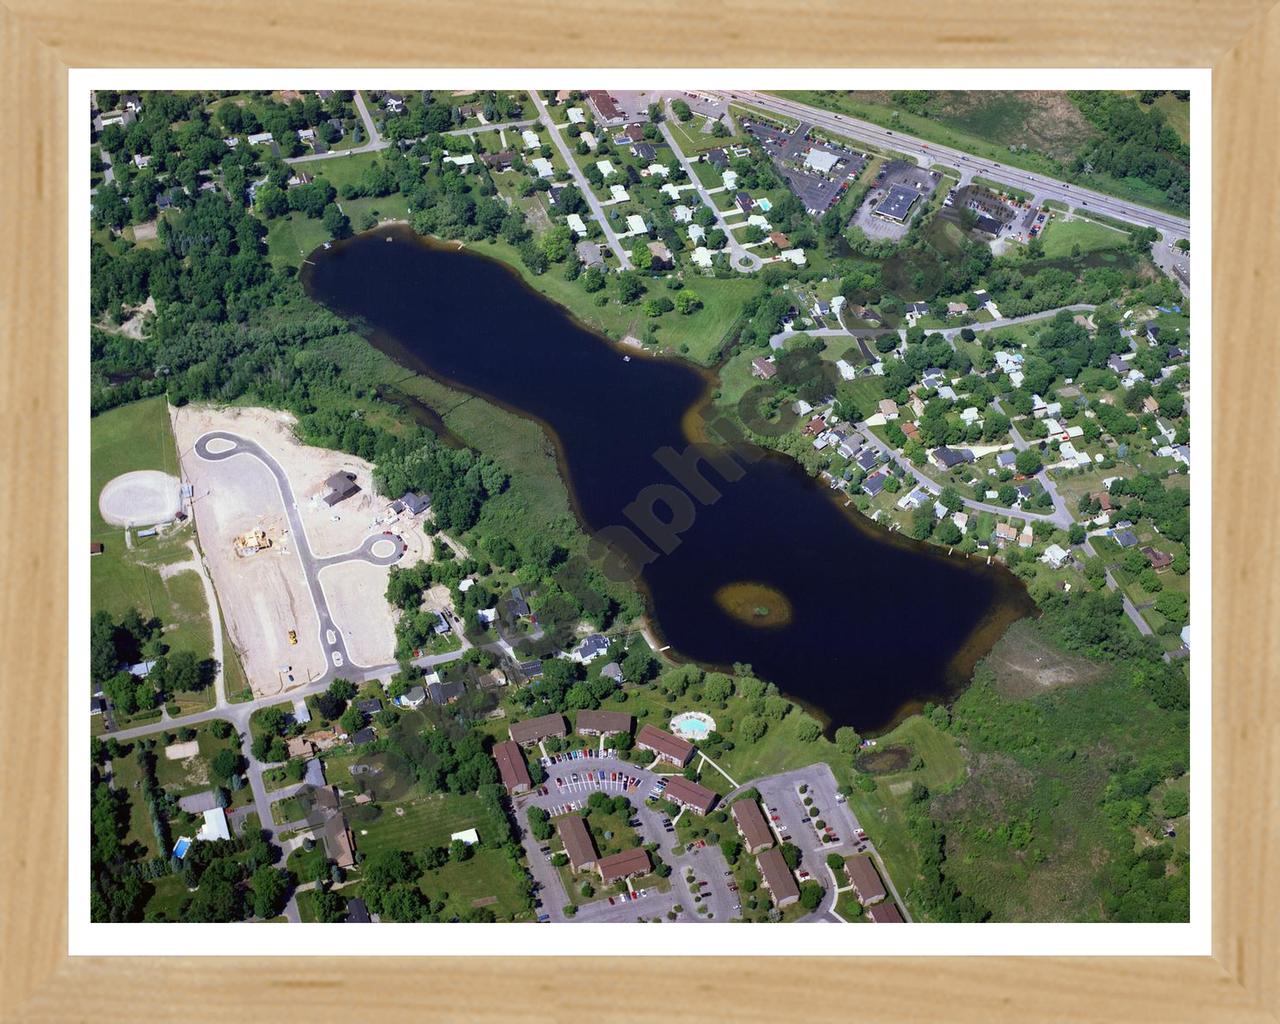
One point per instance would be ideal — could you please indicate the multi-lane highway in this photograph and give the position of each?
(1041, 186)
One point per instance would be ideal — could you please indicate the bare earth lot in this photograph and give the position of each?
(1026, 665)
(356, 592)
(264, 596)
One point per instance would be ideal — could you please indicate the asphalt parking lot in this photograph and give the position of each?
(784, 807)
(600, 773)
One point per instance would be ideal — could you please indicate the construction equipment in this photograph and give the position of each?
(293, 637)
(251, 543)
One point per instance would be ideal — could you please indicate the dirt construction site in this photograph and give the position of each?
(253, 560)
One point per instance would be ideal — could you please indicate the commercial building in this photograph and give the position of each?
(664, 746)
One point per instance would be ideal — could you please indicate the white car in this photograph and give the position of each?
(337, 659)
(331, 636)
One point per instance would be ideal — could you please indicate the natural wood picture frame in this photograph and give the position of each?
(40, 40)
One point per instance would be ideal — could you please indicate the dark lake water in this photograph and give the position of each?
(878, 624)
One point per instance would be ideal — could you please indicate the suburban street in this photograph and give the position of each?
(375, 143)
(933, 487)
(580, 179)
(740, 258)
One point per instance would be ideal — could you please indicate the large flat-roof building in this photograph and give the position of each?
(688, 794)
(578, 844)
(511, 767)
(752, 827)
(896, 205)
(602, 723)
(624, 865)
(665, 747)
(777, 877)
(866, 880)
(534, 730)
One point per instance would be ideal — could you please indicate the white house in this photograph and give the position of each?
(795, 256)
(697, 233)
(542, 166)
(636, 224)
(576, 225)
(683, 215)
(701, 257)
(576, 115)
(619, 193)
(605, 167)
(658, 169)
(530, 139)
(1055, 557)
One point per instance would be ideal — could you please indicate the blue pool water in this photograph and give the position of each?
(690, 726)
(180, 847)
(765, 205)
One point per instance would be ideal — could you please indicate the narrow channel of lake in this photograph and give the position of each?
(874, 624)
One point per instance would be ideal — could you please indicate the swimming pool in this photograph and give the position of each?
(765, 205)
(181, 847)
(692, 725)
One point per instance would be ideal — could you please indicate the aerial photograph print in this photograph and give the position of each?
(602, 505)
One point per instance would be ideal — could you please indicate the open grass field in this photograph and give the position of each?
(1063, 236)
(290, 238)
(192, 774)
(429, 821)
(133, 437)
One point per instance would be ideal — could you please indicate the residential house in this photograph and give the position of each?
(1055, 556)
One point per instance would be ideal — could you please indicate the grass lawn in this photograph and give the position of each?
(192, 774)
(427, 821)
(1062, 236)
(168, 896)
(133, 437)
(291, 238)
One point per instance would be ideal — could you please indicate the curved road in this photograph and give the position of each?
(331, 641)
